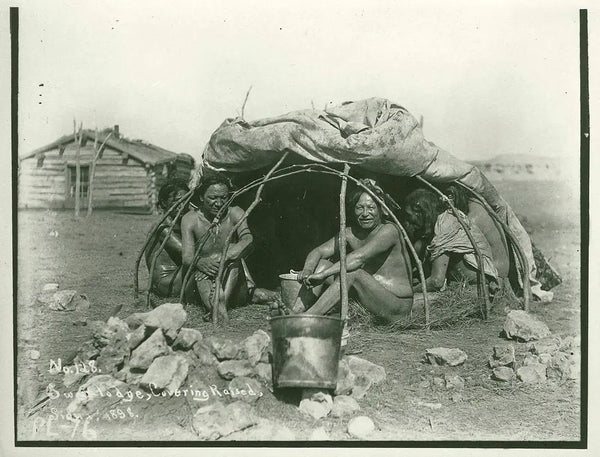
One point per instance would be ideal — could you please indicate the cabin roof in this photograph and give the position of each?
(139, 150)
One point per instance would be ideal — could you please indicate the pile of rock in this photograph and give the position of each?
(547, 357)
(153, 351)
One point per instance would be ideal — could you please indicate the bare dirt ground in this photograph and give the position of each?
(96, 255)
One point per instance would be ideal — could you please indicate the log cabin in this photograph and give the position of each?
(127, 174)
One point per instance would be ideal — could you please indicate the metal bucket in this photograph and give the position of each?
(292, 289)
(306, 350)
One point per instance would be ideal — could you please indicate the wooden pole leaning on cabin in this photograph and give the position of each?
(513, 239)
(78, 138)
(93, 169)
(162, 246)
(342, 241)
(482, 286)
(219, 279)
(149, 237)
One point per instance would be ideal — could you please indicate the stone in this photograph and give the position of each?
(255, 347)
(319, 434)
(547, 345)
(33, 354)
(128, 376)
(445, 356)
(504, 355)
(216, 420)
(186, 338)
(424, 384)
(73, 377)
(135, 320)
(316, 403)
(246, 389)
(143, 356)
(531, 359)
(546, 359)
(504, 374)
(438, 382)
(223, 348)
(570, 343)
(562, 366)
(97, 393)
(105, 333)
(204, 354)
(137, 336)
(264, 372)
(454, 382)
(345, 379)
(169, 317)
(67, 300)
(166, 373)
(361, 427)
(456, 397)
(430, 405)
(360, 387)
(229, 369)
(522, 326)
(344, 405)
(112, 356)
(362, 367)
(314, 409)
(532, 373)
(50, 287)
(87, 351)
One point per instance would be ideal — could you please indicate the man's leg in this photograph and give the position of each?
(235, 287)
(371, 294)
(205, 288)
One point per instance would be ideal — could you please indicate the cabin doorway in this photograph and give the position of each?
(71, 184)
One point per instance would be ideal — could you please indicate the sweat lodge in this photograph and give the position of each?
(424, 214)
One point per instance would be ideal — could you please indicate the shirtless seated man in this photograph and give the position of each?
(209, 198)
(379, 273)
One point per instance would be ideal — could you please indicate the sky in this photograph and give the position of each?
(490, 80)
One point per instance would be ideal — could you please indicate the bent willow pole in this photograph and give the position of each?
(149, 237)
(513, 239)
(483, 288)
(216, 306)
(343, 266)
(162, 246)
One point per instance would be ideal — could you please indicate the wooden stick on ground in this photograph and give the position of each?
(219, 279)
(342, 241)
(480, 263)
(518, 249)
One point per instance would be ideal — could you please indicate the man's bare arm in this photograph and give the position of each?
(324, 251)
(239, 250)
(381, 242)
(436, 280)
(188, 242)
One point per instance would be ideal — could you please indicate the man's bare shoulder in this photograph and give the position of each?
(236, 213)
(189, 220)
(390, 230)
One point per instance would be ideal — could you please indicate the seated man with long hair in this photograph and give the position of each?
(379, 273)
(442, 240)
